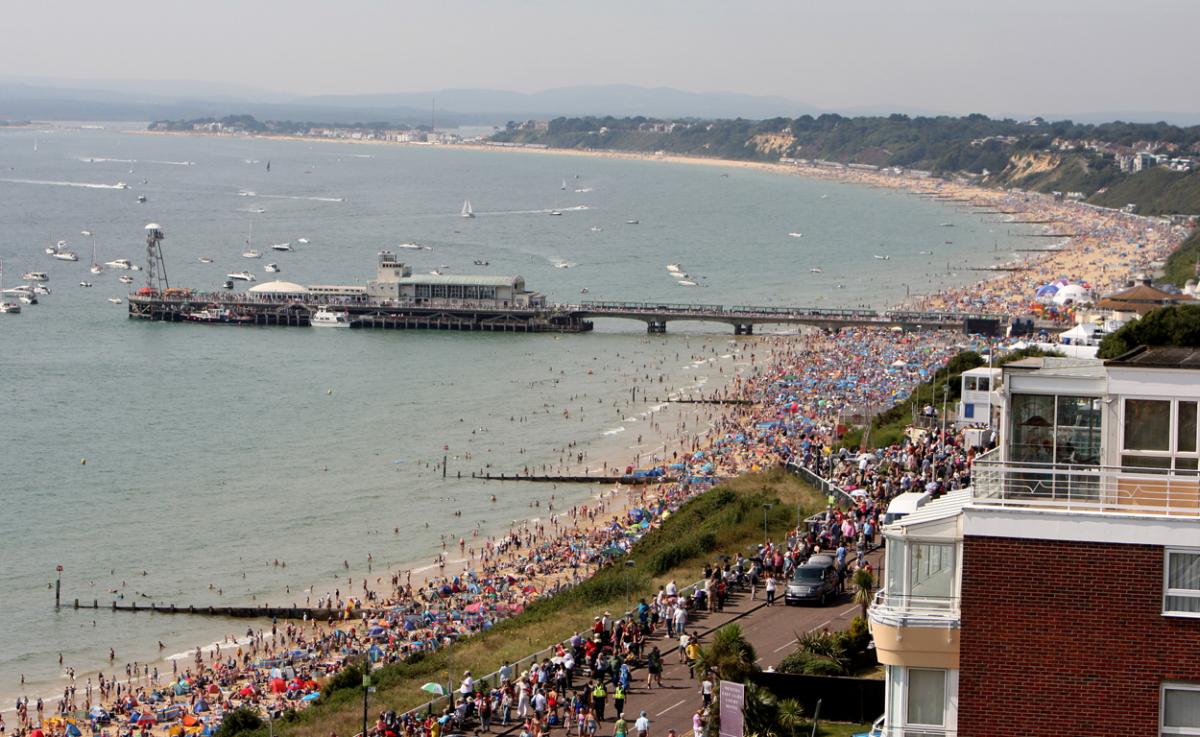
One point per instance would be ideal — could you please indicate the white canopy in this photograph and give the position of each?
(278, 287)
(1071, 293)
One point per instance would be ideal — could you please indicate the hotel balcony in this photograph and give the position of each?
(1086, 488)
(915, 631)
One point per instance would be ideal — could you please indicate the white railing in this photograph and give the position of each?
(905, 610)
(1079, 488)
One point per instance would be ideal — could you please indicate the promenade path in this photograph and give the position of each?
(771, 630)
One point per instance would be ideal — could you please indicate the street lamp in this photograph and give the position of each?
(765, 508)
(629, 581)
(945, 392)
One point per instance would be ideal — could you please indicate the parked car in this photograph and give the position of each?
(812, 582)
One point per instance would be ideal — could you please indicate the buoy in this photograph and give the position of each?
(83, 461)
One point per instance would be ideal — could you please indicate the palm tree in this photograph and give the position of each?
(760, 712)
(729, 655)
(790, 715)
(864, 585)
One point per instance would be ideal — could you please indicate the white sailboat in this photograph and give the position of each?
(250, 252)
(467, 212)
(10, 308)
(96, 267)
(564, 185)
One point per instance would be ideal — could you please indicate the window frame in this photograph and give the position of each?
(1169, 592)
(1162, 704)
(908, 722)
(1172, 453)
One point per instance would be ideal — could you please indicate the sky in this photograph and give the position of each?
(958, 56)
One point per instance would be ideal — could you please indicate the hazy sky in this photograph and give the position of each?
(992, 56)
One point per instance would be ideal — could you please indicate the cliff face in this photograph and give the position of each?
(772, 144)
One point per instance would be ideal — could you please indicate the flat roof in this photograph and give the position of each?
(1087, 368)
(1158, 357)
(461, 279)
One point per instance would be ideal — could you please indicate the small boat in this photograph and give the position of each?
(27, 299)
(632, 222)
(119, 263)
(467, 212)
(947, 225)
(251, 253)
(125, 279)
(595, 229)
(85, 284)
(115, 300)
(8, 308)
(135, 267)
(324, 317)
(302, 240)
(205, 260)
(413, 247)
(122, 185)
(564, 185)
(227, 284)
(480, 262)
(563, 265)
(583, 291)
(281, 246)
(141, 199)
(65, 256)
(50, 251)
(555, 212)
(35, 276)
(40, 289)
(882, 258)
(815, 270)
(673, 267)
(241, 276)
(794, 234)
(925, 253)
(271, 268)
(687, 283)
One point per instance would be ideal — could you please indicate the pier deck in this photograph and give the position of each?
(242, 309)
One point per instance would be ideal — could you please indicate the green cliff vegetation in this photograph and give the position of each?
(1181, 265)
(1156, 191)
(722, 521)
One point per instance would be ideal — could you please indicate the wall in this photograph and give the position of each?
(1067, 638)
(842, 699)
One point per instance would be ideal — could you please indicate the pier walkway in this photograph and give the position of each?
(182, 305)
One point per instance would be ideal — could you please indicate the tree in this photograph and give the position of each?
(864, 589)
(729, 655)
(790, 715)
(242, 720)
(1173, 325)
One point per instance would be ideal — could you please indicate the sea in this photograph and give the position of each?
(217, 465)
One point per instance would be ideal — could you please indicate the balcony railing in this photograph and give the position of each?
(906, 610)
(1086, 488)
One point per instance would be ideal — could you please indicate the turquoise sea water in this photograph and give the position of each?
(212, 451)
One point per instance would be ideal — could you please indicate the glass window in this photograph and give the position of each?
(968, 383)
(926, 697)
(931, 572)
(1181, 708)
(1182, 595)
(1077, 430)
(1032, 428)
(1147, 424)
(984, 384)
(895, 567)
(1186, 428)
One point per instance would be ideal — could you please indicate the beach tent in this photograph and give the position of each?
(1072, 293)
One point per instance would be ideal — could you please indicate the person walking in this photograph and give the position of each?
(619, 699)
(599, 696)
(770, 588)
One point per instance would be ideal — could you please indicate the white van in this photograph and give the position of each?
(905, 504)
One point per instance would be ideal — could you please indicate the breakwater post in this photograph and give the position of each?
(57, 586)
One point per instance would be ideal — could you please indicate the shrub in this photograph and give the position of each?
(240, 721)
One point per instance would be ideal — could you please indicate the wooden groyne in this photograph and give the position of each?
(746, 402)
(240, 612)
(585, 479)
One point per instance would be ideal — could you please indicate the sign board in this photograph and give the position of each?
(732, 699)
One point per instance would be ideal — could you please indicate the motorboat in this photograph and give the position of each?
(217, 315)
(227, 284)
(947, 225)
(467, 212)
(241, 276)
(325, 317)
(125, 279)
(281, 246)
(435, 272)
(142, 199)
(121, 185)
(9, 308)
(481, 262)
(815, 270)
(583, 291)
(65, 255)
(119, 263)
(882, 258)
(302, 240)
(40, 288)
(795, 234)
(135, 267)
(35, 276)
(595, 229)
(555, 212)
(115, 300)
(205, 260)
(85, 284)
(687, 283)
(271, 268)
(251, 253)
(632, 222)
(414, 247)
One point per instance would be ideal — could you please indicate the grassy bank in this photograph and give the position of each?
(723, 521)
(1181, 265)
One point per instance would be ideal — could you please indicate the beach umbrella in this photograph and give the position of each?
(37, 733)
(73, 731)
(278, 686)
(214, 688)
(434, 688)
(311, 696)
